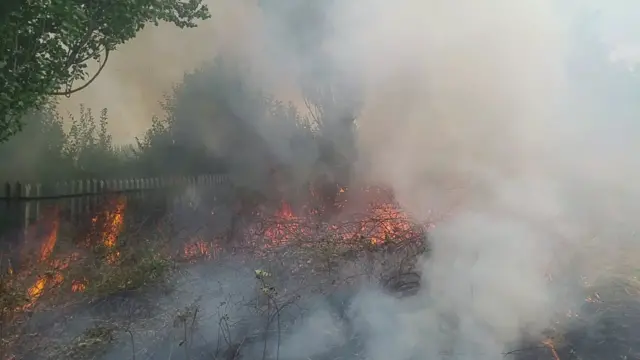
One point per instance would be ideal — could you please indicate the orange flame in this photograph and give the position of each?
(112, 224)
(50, 242)
(201, 249)
(78, 285)
(285, 211)
(381, 223)
(548, 343)
(37, 289)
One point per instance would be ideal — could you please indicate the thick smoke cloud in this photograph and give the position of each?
(469, 109)
(472, 109)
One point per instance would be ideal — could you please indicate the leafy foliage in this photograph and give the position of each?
(46, 45)
(45, 151)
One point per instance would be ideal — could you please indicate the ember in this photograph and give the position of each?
(201, 249)
(78, 286)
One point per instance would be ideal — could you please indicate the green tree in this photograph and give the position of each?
(46, 45)
(89, 147)
(333, 98)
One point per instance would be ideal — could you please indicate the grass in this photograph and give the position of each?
(92, 343)
(103, 271)
(129, 274)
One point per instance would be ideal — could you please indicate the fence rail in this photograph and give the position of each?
(23, 203)
(91, 187)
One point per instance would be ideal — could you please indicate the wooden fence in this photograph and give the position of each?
(24, 203)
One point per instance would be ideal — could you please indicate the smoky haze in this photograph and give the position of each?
(472, 109)
(469, 110)
(140, 72)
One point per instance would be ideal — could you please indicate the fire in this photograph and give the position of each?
(109, 224)
(46, 249)
(548, 343)
(78, 285)
(382, 222)
(285, 228)
(37, 289)
(201, 249)
(285, 211)
(114, 222)
(50, 241)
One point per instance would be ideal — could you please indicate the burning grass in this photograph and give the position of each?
(112, 259)
(294, 246)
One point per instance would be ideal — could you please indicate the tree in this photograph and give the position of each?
(46, 45)
(333, 98)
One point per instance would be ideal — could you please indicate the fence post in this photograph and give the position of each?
(38, 195)
(138, 188)
(74, 200)
(81, 199)
(18, 209)
(8, 204)
(64, 190)
(94, 195)
(57, 190)
(27, 209)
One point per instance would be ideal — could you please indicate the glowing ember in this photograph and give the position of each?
(285, 211)
(201, 250)
(78, 286)
(58, 278)
(548, 343)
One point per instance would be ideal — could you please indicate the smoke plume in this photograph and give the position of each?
(469, 109)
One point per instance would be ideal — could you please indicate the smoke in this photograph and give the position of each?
(469, 109)
(141, 71)
(473, 110)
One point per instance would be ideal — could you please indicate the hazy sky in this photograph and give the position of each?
(142, 70)
(620, 26)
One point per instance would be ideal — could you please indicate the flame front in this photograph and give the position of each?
(382, 222)
(109, 224)
(51, 239)
(46, 249)
(114, 223)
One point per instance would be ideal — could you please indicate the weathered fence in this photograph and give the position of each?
(23, 204)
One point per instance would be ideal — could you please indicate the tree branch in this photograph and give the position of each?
(69, 92)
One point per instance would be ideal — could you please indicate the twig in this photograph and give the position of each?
(133, 345)
(513, 352)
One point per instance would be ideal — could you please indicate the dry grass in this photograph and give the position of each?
(91, 344)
